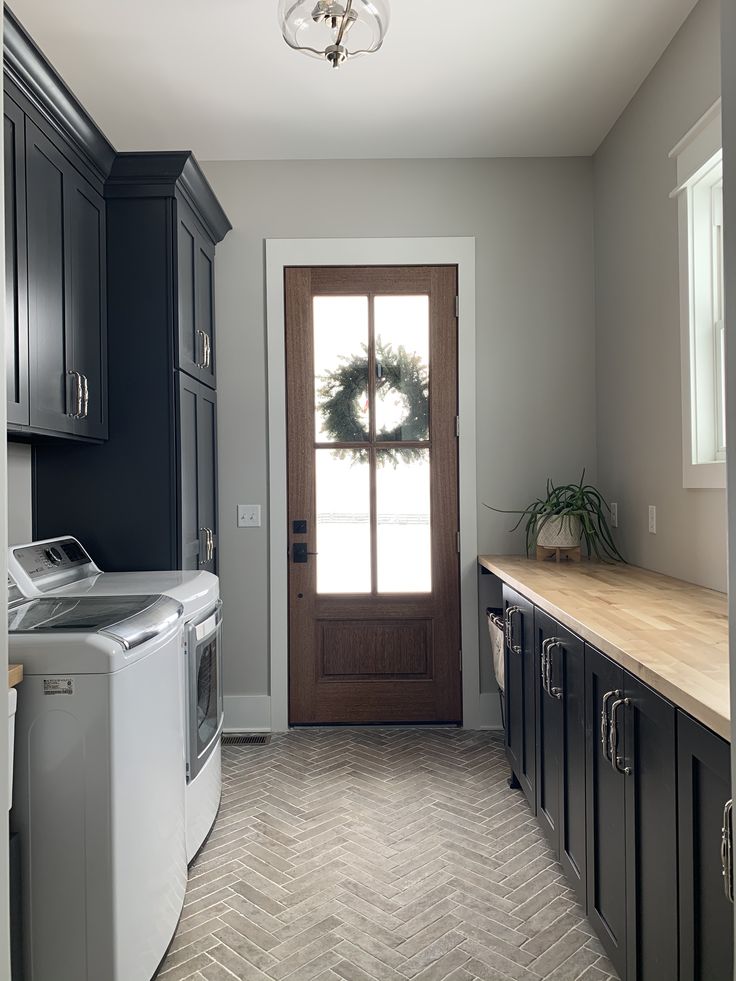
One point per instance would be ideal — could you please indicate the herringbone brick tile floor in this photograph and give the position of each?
(378, 855)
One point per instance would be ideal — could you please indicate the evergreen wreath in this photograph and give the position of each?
(399, 373)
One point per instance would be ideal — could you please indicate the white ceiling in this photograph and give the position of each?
(469, 78)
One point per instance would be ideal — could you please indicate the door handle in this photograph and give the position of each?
(547, 667)
(85, 397)
(300, 553)
(510, 610)
(207, 351)
(543, 665)
(203, 349)
(604, 721)
(209, 544)
(617, 760)
(211, 535)
(77, 393)
(727, 851)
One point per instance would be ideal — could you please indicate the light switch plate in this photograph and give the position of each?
(614, 515)
(249, 515)
(652, 520)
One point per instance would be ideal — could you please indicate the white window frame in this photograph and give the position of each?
(699, 159)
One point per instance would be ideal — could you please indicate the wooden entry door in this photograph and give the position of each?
(374, 593)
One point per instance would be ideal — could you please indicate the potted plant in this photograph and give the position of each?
(567, 515)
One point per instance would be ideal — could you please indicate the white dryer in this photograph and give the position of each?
(63, 567)
(99, 800)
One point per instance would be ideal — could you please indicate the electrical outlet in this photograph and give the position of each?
(614, 515)
(652, 520)
(249, 515)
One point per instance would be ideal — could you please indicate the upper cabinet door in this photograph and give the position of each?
(16, 276)
(197, 475)
(87, 271)
(55, 391)
(196, 297)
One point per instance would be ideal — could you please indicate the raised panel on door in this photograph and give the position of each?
(706, 915)
(606, 812)
(189, 526)
(16, 273)
(549, 739)
(568, 674)
(651, 834)
(205, 311)
(188, 355)
(520, 694)
(207, 473)
(51, 389)
(87, 274)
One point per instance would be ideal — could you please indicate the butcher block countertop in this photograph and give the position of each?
(15, 675)
(669, 633)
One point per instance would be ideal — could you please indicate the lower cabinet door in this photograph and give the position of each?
(606, 810)
(520, 691)
(651, 833)
(197, 475)
(706, 914)
(561, 745)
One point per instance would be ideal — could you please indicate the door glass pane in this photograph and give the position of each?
(402, 367)
(404, 530)
(207, 687)
(343, 521)
(341, 368)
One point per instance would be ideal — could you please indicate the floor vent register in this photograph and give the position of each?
(245, 739)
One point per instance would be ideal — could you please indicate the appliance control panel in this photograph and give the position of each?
(60, 560)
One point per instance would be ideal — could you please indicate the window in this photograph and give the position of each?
(700, 193)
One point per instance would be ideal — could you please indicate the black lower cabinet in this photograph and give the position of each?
(706, 914)
(606, 810)
(560, 680)
(198, 474)
(520, 691)
(632, 821)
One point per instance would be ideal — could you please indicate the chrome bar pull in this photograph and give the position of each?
(604, 721)
(554, 690)
(77, 393)
(510, 611)
(727, 851)
(207, 351)
(616, 760)
(85, 397)
(212, 544)
(543, 664)
(201, 336)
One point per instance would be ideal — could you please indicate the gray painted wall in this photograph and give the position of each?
(532, 220)
(19, 493)
(639, 411)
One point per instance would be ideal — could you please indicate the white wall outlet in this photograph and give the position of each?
(614, 515)
(249, 515)
(652, 520)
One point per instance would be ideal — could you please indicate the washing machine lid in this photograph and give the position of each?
(129, 620)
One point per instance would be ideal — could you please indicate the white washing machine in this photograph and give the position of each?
(62, 567)
(99, 799)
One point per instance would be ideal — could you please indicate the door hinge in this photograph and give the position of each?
(461, 661)
(457, 307)
(458, 542)
(457, 426)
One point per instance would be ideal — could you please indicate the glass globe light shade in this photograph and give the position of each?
(334, 30)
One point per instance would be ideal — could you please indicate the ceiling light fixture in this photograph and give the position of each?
(332, 30)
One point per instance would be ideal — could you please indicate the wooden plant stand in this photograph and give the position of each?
(558, 554)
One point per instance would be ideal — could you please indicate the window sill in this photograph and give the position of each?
(704, 475)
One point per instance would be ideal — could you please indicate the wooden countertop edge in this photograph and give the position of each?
(670, 689)
(15, 675)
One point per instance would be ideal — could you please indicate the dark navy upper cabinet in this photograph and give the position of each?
(147, 499)
(16, 275)
(195, 254)
(55, 269)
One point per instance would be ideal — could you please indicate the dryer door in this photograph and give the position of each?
(205, 690)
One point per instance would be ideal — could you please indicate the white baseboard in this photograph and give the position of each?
(490, 711)
(247, 713)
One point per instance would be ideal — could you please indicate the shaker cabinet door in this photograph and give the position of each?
(520, 691)
(55, 394)
(197, 475)
(706, 914)
(88, 301)
(16, 274)
(195, 297)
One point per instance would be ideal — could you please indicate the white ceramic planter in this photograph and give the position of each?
(559, 531)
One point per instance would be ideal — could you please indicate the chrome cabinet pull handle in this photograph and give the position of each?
(515, 648)
(554, 690)
(85, 397)
(727, 851)
(604, 721)
(616, 760)
(200, 358)
(543, 663)
(77, 394)
(212, 544)
(207, 350)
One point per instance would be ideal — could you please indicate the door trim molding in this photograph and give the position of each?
(281, 253)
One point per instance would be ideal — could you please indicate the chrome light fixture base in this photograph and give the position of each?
(332, 30)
